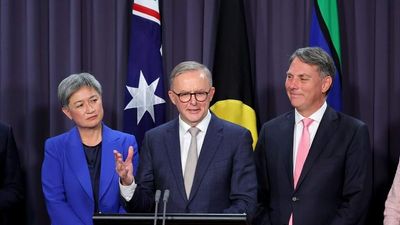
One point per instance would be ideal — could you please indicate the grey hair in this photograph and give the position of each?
(73, 83)
(318, 57)
(189, 66)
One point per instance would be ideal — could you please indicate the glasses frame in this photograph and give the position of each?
(192, 94)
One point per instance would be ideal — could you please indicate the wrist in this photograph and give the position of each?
(127, 181)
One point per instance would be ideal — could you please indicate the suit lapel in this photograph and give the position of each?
(210, 146)
(287, 145)
(174, 155)
(77, 161)
(325, 131)
(107, 171)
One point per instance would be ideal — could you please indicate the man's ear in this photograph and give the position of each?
(211, 93)
(326, 84)
(172, 97)
(66, 111)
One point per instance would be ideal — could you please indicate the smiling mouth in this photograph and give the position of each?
(92, 117)
(294, 94)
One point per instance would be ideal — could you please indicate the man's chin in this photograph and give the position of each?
(295, 104)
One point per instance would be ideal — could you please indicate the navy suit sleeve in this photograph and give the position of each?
(142, 200)
(261, 215)
(11, 190)
(357, 185)
(243, 179)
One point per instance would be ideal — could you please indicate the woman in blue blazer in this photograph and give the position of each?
(78, 171)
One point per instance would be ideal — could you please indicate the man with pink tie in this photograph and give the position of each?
(313, 163)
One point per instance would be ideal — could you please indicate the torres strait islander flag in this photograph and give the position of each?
(325, 33)
(144, 96)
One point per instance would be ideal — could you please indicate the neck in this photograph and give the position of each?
(91, 136)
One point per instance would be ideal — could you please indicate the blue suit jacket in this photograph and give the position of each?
(335, 184)
(66, 181)
(225, 178)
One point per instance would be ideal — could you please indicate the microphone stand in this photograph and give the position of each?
(165, 200)
(157, 200)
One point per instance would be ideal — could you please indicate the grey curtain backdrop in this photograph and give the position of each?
(43, 41)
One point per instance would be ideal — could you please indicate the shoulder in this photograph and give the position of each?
(4, 130)
(5, 137)
(228, 126)
(119, 136)
(352, 127)
(228, 129)
(345, 121)
(161, 129)
(58, 139)
(116, 133)
(280, 120)
(58, 144)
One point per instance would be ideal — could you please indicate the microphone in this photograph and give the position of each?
(165, 200)
(157, 200)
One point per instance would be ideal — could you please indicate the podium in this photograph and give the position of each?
(170, 219)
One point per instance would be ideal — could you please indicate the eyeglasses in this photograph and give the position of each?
(187, 96)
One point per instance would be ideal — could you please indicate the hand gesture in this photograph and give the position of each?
(124, 168)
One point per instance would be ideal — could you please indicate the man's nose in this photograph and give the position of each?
(293, 83)
(193, 100)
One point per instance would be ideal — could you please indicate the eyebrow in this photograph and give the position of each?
(299, 75)
(196, 91)
(91, 97)
(304, 75)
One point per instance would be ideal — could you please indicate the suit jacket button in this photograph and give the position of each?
(295, 199)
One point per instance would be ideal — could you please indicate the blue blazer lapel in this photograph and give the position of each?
(174, 155)
(77, 160)
(326, 130)
(107, 160)
(210, 146)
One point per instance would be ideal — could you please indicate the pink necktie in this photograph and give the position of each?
(302, 152)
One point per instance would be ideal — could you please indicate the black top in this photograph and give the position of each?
(93, 158)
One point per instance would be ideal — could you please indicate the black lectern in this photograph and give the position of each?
(170, 219)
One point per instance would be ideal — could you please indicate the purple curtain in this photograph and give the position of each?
(42, 41)
(371, 84)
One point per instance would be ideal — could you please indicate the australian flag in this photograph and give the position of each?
(144, 96)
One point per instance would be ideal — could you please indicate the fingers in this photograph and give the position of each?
(130, 154)
(124, 168)
(117, 156)
(119, 164)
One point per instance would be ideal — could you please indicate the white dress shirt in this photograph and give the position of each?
(185, 137)
(184, 140)
(298, 128)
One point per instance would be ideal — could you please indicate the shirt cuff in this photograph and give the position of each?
(127, 191)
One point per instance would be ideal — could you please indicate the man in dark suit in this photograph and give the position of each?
(224, 180)
(11, 181)
(313, 163)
